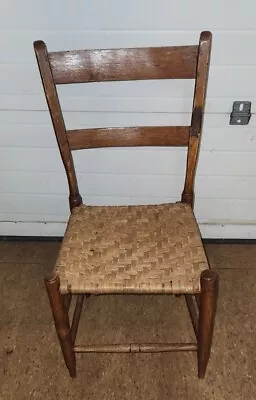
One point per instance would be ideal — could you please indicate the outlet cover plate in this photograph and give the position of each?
(241, 113)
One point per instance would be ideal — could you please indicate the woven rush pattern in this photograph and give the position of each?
(131, 249)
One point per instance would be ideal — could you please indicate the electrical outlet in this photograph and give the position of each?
(241, 113)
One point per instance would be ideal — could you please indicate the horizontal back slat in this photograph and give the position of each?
(125, 137)
(178, 62)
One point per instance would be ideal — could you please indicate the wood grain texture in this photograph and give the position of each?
(125, 137)
(61, 320)
(126, 64)
(178, 62)
(57, 121)
(197, 115)
(135, 348)
(207, 311)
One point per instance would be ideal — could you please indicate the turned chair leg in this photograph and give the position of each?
(67, 300)
(61, 319)
(207, 311)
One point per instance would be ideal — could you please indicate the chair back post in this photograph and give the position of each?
(57, 120)
(204, 51)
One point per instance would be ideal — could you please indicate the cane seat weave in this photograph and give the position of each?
(131, 249)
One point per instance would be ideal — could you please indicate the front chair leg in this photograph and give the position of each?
(207, 311)
(60, 315)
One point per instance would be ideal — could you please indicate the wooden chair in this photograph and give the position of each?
(130, 249)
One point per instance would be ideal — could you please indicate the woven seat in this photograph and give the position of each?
(134, 249)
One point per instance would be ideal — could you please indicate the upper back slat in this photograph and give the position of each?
(178, 62)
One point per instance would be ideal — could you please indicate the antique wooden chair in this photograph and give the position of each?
(140, 249)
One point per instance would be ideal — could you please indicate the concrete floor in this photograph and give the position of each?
(31, 364)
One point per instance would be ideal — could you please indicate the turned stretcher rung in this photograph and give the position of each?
(135, 348)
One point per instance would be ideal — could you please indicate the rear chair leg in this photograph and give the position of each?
(207, 311)
(60, 315)
(67, 300)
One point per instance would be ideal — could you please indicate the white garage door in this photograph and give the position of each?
(33, 189)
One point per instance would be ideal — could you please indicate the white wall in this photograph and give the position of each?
(33, 189)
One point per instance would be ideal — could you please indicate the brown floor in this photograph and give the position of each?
(31, 362)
